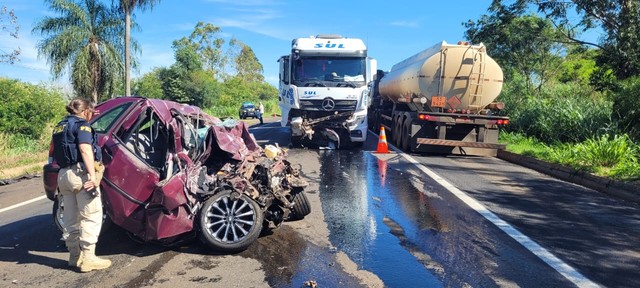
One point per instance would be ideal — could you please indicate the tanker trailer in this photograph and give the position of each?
(441, 100)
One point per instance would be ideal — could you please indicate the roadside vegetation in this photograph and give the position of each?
(614, 157)
(571, 101)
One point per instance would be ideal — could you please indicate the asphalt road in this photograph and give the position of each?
(391, 220)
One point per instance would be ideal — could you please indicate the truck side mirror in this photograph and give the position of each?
(372, 69)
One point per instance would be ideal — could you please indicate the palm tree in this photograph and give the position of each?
(127, 7)
(85, 38)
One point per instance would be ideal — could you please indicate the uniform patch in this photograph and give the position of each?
(58, 129)
(85, 128)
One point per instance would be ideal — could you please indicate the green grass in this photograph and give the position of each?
(20, 154)
(523, 145)
(615, 157)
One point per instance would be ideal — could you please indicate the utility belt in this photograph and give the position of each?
(98, 166)
(80, 166)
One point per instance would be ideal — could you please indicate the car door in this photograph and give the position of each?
(129, 180)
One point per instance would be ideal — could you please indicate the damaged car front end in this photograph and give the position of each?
(173, 172)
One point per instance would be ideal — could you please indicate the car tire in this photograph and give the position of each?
(58, 209)
(301, 206)
(229, 223)
(296, 141)
(57, 215)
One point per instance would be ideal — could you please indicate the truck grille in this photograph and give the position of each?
(340, 105)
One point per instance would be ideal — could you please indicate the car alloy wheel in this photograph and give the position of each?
(229, 222)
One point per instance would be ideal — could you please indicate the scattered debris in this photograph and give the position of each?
(311, 284)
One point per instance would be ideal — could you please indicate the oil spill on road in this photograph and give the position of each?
(289, 261)
(357, 204)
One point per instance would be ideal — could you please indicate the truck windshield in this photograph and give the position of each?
(329, 71)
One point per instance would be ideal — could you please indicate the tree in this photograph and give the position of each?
(208, 45)
(84, 39)
(177, 80)
(619, 20)
(9, 23)
(149, 85)
(520, 43)
(248, 66)
(579, 65)
(187, 56)
(127, 7)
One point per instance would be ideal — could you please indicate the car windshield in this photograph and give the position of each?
(247, 106)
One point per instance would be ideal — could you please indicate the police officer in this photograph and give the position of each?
(77, 153)
(260, 112)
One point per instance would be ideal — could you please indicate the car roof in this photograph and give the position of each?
(162, 107)
(110, 103)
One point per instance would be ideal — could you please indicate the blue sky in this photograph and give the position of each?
(392, 30)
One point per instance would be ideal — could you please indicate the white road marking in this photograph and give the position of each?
(23, 203)
(563, 268)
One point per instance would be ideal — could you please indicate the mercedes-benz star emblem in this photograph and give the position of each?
(328, 104)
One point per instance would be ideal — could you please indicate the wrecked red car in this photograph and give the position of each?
(173, 172)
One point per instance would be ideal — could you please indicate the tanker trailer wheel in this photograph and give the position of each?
(400, 134)
(301, 206)
(394, 133)
(406, 135)
(229, 223)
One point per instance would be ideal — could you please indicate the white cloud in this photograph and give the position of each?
(184, 27)
(252, 15)
(29, 68)
(406, 24)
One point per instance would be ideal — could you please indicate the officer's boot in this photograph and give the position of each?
(75, 253)
(91, 262)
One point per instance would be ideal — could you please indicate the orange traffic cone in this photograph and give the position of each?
(382, 142)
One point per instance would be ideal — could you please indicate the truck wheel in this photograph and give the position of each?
(373, 123)
(301, 206)
(229, 223)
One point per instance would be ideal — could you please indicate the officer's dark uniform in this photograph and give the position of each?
(82, 217)
(67, 136)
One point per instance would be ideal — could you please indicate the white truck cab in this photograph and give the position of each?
(324, 88)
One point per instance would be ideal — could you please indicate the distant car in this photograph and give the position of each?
(247, 110)
(173, 172)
